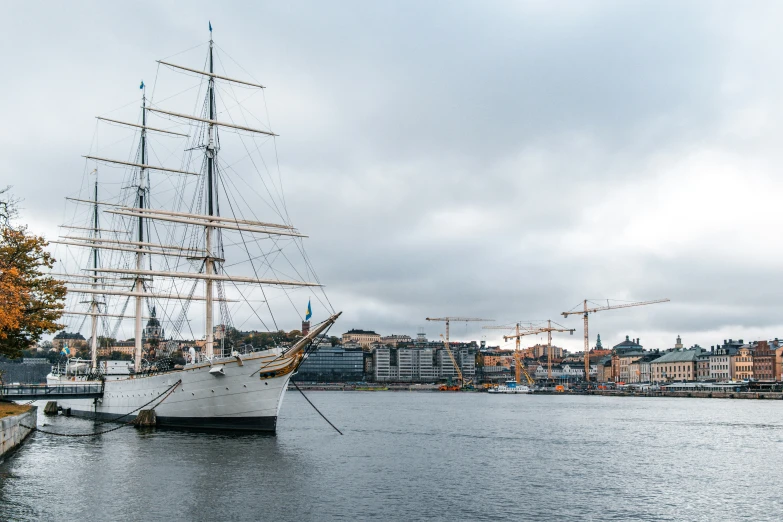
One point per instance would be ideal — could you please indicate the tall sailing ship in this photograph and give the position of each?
(161, 231)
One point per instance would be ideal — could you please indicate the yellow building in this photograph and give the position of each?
(675, 365)
(364, 337)
(742, 364)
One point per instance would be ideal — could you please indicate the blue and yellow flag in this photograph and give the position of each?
(142, 85)
(309, 311)
(65, 350)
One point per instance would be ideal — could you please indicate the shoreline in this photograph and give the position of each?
(12, 433)
(430, 388)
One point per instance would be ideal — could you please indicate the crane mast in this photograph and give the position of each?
(594, 309)
(519, 370)
(548, 329)
(448, 320)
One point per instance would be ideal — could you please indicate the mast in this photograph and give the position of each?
(140, 255)
(94, 302)
(210, 258)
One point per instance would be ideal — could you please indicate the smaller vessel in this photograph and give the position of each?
(510, 387)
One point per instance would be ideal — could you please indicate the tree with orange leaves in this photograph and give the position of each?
(30, 301)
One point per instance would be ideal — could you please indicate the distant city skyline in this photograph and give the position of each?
(497, 160)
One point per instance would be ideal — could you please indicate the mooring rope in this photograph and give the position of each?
(316, 409)
(166, 392)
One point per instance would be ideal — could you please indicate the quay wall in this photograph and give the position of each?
(692, 394)
(12, 433)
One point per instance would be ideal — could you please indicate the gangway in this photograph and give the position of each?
(36, 392)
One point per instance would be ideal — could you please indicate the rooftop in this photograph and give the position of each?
(628, 343)
(361, 332)
(679, 356)
(66, 335)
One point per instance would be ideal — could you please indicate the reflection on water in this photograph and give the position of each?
(418, 456)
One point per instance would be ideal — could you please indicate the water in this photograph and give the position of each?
(420, 456)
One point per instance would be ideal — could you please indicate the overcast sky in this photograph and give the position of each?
(502, 160)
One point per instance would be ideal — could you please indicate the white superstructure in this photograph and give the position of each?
(510, 387)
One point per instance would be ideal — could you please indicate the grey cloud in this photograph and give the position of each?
(443, 155)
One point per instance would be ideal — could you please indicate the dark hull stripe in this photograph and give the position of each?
(256, 424)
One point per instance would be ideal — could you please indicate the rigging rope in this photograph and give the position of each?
(313, 405)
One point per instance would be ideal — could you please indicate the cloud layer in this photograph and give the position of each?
(502, 160)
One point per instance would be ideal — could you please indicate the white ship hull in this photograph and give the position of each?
(238, 393)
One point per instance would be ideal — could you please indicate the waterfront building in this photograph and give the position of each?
(464, 354)
(351, 344)
(703, 366)
(74, 341)
(394, 340)
(382, 363)
(623, 354)
(124, 347)
(467, 361)
(495, 374)
(333, 364)
(415, 364)
(641, 369)
(364, 337)
(540, 350)
(742, 364)
(777, 349)
(497, 358)
(675, 365)
(720, 360)
(763, 362)
(604, 366)
(565, 372)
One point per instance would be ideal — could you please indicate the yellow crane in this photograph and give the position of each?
(519, 368)
(541, 329)
(599, 308)
(448, 320)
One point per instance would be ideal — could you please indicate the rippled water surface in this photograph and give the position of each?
(420, 456)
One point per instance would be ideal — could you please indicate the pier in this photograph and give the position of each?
(34, 392)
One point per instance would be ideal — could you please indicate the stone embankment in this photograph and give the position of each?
(13, 419)
(364, 387)
(692, 394)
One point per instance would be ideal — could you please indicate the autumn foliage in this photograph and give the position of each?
(30, 302)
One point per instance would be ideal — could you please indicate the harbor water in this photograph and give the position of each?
(419, 456)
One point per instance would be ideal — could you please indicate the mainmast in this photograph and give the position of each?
(94, 301)
(210, 258)
(140, 255)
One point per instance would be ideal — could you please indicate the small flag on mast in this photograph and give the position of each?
(309, 311)
(142, 85)
(210, 26)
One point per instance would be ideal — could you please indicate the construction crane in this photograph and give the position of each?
(448, 320)
(519, 369)
(541, 329)
(599, 308)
